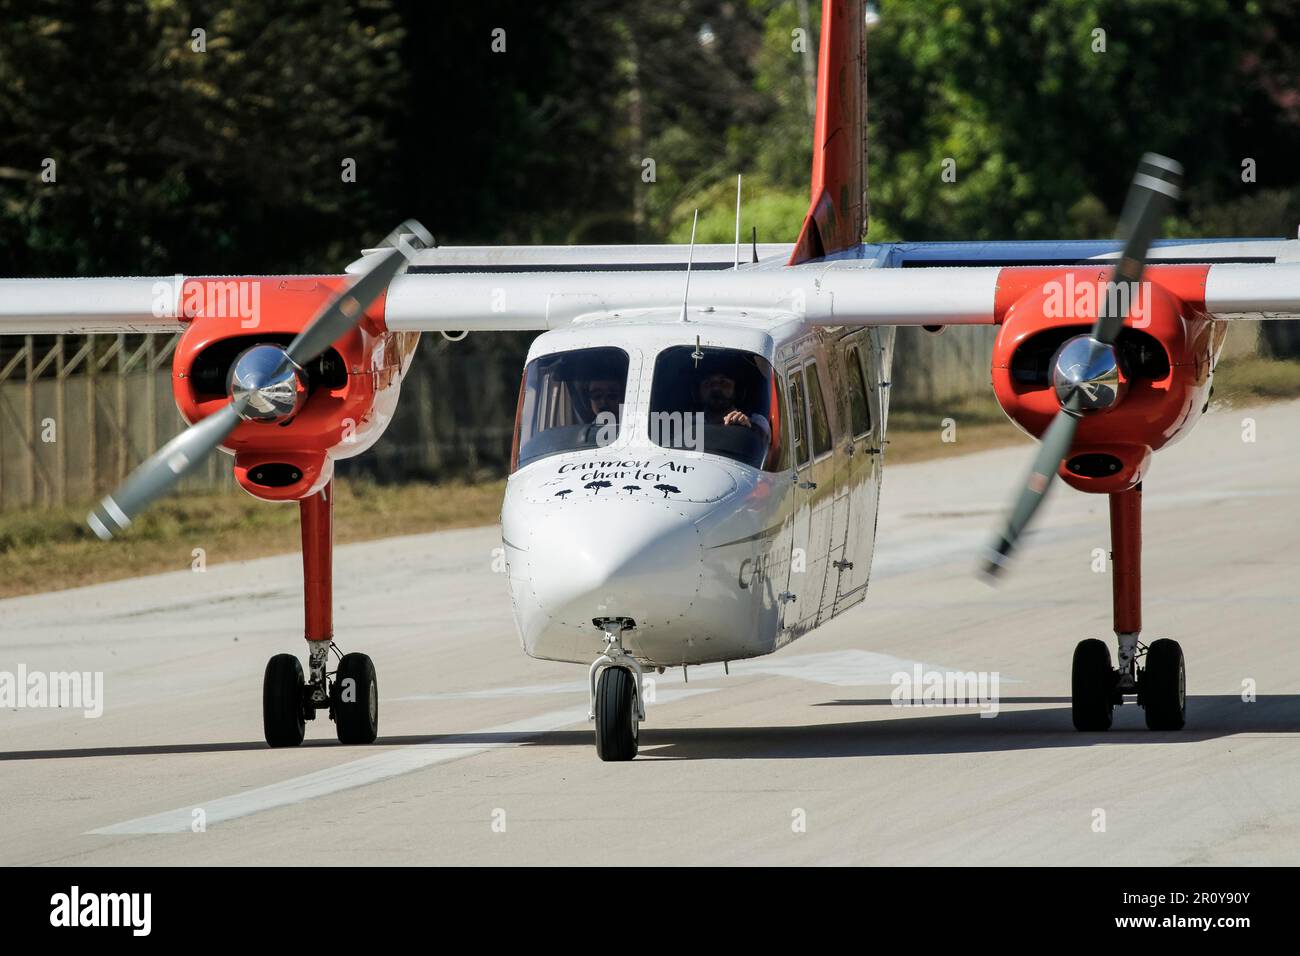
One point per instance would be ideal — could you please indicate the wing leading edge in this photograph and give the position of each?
(847, 292)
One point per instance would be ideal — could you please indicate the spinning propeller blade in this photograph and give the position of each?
(160, 472)
(1155, 187)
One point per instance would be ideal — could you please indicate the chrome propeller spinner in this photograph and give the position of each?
(1086, 376)
(266, 385)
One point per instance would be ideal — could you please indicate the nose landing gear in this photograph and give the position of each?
(615, 684)
(615, 713)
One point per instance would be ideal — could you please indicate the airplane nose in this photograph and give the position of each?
(590, 560)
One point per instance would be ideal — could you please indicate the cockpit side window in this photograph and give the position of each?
(569, 401)
(716, 400)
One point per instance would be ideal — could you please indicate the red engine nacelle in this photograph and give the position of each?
(353, 387)
(1166, 354)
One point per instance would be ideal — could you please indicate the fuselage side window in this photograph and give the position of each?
(859, 409)
(821, 429)
(797, 418)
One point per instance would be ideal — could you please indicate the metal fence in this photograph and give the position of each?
(77, 413)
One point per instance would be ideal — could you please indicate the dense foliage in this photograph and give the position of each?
(230, 159)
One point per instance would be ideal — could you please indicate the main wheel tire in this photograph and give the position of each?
(1092, 686)
(283, 721)
(617, 727)
(1164, 686)
(356, 703)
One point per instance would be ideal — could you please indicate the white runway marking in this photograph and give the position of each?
(844, 668)
(356, 773)
(492, 693)
(837, 668)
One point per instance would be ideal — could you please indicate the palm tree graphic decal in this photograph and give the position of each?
(668, 490)
(596, 486)
(561, 494)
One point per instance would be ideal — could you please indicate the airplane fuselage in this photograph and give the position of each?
(709, 558)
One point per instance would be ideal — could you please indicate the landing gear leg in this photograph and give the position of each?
(318, 691)
(615, 685)
(351, 694)
(1126, 674)
(1159, 680)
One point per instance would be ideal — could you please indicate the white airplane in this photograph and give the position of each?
(699, 441)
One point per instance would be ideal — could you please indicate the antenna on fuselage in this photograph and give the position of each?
(690, 259)
(754, 239)
(736, 265)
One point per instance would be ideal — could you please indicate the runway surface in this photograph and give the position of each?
(485, 756)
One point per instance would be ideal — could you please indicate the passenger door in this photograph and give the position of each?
(829, 380)
(863, 446)
(814, 495)
(801, 522)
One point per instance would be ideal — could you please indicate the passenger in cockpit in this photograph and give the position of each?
(605, 395)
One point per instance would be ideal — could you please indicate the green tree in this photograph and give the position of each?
(1045, 124)
(178, 155)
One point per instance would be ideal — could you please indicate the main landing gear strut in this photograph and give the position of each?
(350, 693)
(1155, 673)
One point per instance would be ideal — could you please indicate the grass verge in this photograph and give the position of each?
(50, 549)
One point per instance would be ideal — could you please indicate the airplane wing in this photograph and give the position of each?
(65, 306)
(483, 290)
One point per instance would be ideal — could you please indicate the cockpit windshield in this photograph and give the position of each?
(719, 401)
(570, 401)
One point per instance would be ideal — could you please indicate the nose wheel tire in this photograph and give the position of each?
(1164, 686)
(1092, 686)
(356, 700)
(617, 727)
(283, 722)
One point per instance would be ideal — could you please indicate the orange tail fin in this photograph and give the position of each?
(837, 216)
